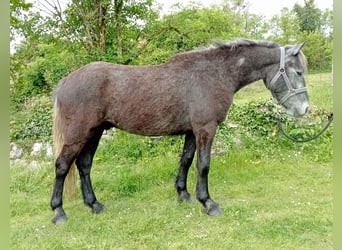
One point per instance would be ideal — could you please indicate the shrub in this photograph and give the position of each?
(260, 118)
(34, 123)
(254, 125)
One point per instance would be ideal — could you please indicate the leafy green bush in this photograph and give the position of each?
(34, 123)
(260, 118)
(255, 126)
(41, 73)
(257, 116)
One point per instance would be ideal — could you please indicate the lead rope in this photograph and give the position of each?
(280, 126)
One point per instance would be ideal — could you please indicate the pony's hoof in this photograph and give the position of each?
(185, 196)
(98, 207)
(213, 209)
(60, 217)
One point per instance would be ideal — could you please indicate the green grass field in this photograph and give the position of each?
(275, 194)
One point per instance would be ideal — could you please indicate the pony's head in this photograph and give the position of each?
(286, 80)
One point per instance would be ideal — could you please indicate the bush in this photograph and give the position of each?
(257, 116)
(34, 123)
(255, 126)
(40, 74)
(260, 118)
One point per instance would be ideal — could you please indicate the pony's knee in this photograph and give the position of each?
(62, 167)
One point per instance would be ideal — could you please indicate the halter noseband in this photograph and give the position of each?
(281, 72)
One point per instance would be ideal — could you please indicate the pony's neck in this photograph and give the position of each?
(254, 63)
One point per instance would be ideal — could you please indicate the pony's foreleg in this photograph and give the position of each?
(84, 163)
(184, 165)
(204, 139)
(63, 164)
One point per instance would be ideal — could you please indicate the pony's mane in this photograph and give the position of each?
(232, 45)
(243, 42)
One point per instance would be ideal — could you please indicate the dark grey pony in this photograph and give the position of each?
(190, 94)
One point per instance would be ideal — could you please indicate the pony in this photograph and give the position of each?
(189, 95)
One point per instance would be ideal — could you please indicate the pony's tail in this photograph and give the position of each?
(70, 189)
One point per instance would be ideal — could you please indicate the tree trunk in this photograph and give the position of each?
(117, 15)
(102, 27)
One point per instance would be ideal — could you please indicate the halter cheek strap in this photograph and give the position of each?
(281, 72)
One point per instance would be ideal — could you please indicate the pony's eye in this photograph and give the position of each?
(299, 73)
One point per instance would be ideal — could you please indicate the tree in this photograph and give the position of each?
(86, 23)
(284, 28)
(107, 27)
(192, 27)
(316, 28)
(318, 50)
(256, 27)
(309, 16)
(327, 23)
(17, 7)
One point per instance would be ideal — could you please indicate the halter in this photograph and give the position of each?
(281, 72)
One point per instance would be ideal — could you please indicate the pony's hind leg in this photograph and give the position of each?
(184, 165)
(62, 164)
(84, 162)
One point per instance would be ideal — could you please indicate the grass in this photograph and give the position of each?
(275, 194)
(265, 204)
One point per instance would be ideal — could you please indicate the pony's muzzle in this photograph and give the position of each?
(298, 111)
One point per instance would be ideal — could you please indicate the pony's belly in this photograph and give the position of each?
(153, 125)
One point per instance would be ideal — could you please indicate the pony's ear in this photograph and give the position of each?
(296, 48)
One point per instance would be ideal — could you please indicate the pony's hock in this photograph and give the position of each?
(190, 94)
